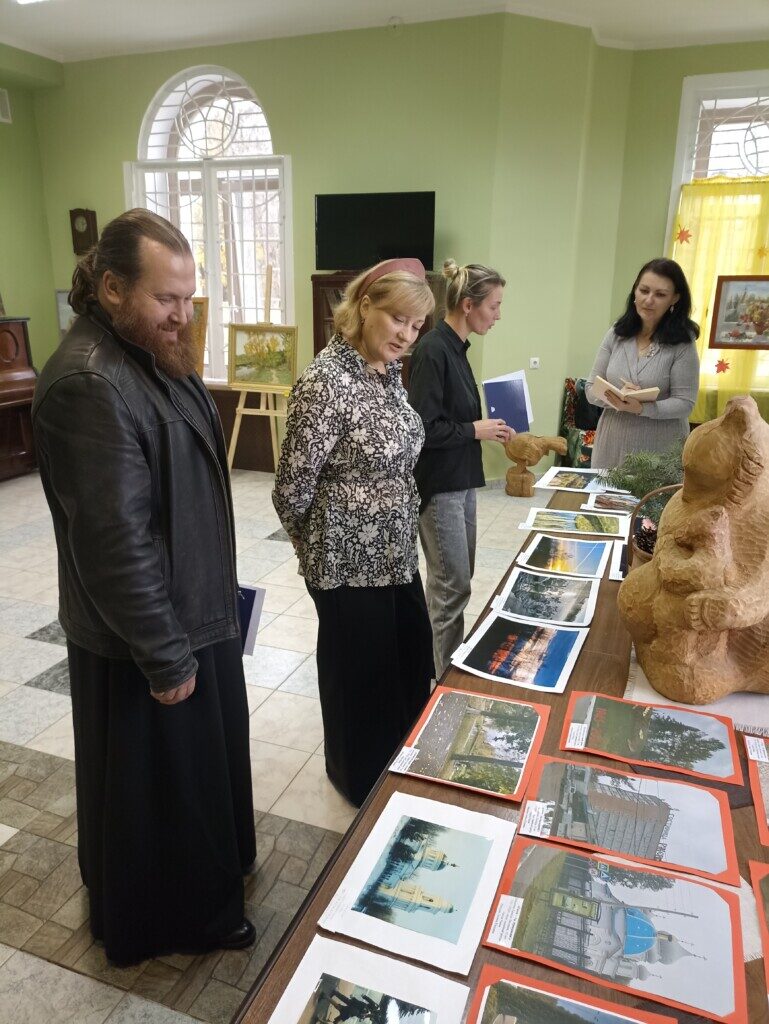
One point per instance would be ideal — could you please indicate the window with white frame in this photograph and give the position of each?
(723, 131)
(206, 164)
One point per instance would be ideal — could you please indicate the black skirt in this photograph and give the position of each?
(164, 803)
(375, 663)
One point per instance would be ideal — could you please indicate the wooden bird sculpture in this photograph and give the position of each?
(526, 450)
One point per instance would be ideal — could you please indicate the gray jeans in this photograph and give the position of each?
(447, 529)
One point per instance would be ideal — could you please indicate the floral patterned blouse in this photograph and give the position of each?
(344, 486)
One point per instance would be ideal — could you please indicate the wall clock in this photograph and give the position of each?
(84, 231)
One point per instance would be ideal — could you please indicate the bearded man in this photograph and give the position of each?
(134, 467)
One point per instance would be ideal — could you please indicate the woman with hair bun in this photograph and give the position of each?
(443, 391)
(650, 345)
(345, 493)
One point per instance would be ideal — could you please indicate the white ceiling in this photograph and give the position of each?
(69, 30)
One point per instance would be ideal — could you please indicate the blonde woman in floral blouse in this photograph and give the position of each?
(345, 493)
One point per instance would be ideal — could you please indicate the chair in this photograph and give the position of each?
(578, 422)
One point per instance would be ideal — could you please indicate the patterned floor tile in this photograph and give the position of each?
(51, 634)
(133, 1010)
(44, 906)
(279, 535)
(33, 991)
(24, 619)
(22, 659)
(55, 679)
(26, 711)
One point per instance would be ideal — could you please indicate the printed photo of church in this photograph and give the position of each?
(666, 936)
(425, 879)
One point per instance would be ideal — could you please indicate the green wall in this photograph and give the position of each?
(370, 110)
(26, 275)
(551, 159)
(466, 107)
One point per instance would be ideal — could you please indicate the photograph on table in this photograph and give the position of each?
(740, 312)
(757, 748)
(556, 520)
(759, 876)
(661, 936)
(527, 654)
(569, 478)
(422, 883)
(502, 997)
(610, 501)
(659, 735)
(476, 742)
(541, 597)
(666, 822)
(335, 982)
(566, 555)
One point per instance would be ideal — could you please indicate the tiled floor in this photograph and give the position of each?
(50, 971)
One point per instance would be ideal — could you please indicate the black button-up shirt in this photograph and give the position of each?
(443, 391)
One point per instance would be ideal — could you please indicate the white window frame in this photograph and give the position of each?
(697, 88)
(133, 176)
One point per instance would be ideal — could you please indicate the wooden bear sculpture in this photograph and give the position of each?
(698, 612)
(526, 450)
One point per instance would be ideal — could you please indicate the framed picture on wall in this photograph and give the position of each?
(199, 328)
(741, 312)
(262, 357)
(64, 312)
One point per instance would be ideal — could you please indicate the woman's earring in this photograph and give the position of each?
(672, 308)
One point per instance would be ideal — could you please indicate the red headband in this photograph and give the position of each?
(411, 266)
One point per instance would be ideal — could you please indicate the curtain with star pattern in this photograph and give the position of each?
(722, 227)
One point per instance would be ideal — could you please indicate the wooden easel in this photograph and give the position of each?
(268, 398)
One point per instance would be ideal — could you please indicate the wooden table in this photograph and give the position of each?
(602, 667)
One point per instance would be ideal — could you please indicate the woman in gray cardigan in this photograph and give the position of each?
(651, 345)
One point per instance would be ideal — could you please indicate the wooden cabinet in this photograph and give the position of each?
(327, 291)
(17, 387)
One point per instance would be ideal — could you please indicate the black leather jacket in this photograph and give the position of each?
(141, 505)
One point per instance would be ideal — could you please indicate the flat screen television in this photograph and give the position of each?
(357, 230)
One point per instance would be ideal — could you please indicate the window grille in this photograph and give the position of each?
(206, 164)
(732, 137)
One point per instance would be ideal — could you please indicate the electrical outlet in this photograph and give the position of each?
(534, 363)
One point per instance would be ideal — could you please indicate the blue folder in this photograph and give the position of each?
(506, 399)
(250, 601)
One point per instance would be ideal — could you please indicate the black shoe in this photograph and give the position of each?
(240, 937)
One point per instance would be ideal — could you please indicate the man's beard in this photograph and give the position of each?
(176, 358)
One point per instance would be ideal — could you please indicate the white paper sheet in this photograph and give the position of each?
(445, 1000)
(615, 572)
(421, 926)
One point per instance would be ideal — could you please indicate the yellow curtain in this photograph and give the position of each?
(722, 227)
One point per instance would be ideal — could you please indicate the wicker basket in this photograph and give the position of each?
(635, 556)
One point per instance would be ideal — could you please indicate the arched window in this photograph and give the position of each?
(206, 163)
